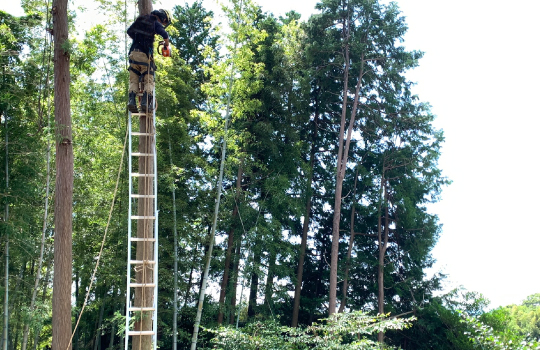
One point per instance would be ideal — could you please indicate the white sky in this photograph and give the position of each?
(481, 74)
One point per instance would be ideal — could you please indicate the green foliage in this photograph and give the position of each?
(341, 331)
(482, 336)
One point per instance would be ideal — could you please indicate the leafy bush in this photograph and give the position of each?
(340, 331)
(484, 337)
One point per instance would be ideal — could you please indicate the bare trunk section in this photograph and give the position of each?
(269, 286)
(303, 244)
(175, 232)
(145, 7)
(97, 343)
(234, 284)
(307, 219)
(6, 219)
(383, 244)
(254, 287)
(61, 301)
(349, 250)
(230, 246)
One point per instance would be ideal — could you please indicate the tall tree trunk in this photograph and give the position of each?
(111, 341)
(318, 283)
(305, 225)
(254, 282)
(97, 343)
(175, 232)
(342, 158)
(190, 278)
(61, 301)
(343, 303)
(234, 282)
(6, 220)
(383, 244)
(230, 246)
(269, 286)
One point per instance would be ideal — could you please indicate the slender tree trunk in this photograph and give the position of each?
(343, 303)
(97, 343)
(111, 342)
(234, 284)
(305, 225)
(230, 246)
(190, 278)
(175, 232)
(43, 298)
(269, 286)
(61, 303)
(216, 210)
(383, 244)
(318, 284)
(78, 303)
(254, 282)
(6, 281)
(343, 150)
(42, 248)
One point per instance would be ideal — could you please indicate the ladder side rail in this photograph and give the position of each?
(128, 289)
(156, 211)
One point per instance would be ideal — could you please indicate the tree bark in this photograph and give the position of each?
(5, 332)
(383, 244)
(254, 287)
(61, 301)
(305, 225)
(234, 284)
(230, 246)
(345, 286)
(269, 286)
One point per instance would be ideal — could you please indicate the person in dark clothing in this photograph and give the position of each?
(142, 67)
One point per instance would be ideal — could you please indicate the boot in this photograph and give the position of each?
(147, 102)
(132, 104)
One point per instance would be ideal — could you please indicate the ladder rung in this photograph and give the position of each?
(135, 308)
(143, 285)
(137, 239)
(141, 332)
(138, 217)
(143, 196)
(139, 154)
(142, 175)
(150, 262)
(136, 133)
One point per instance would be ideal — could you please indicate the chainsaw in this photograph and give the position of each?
(165, 50)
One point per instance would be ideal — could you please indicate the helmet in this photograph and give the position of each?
(164, 16)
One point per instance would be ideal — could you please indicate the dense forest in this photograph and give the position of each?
(323, 234)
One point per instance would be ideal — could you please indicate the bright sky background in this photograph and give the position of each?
(481, 74)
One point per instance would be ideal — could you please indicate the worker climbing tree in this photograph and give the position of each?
(142, 67)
